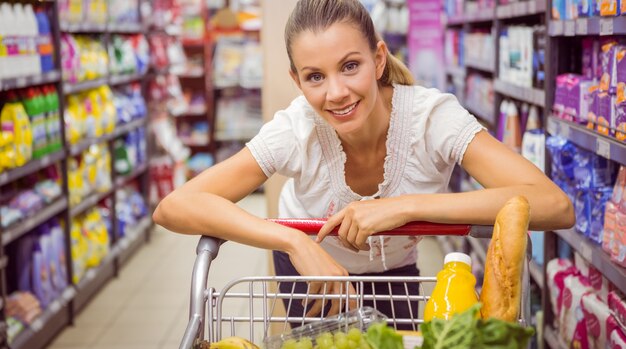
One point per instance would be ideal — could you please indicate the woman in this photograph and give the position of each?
(365, 148)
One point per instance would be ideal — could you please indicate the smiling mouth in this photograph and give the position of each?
(345, 111)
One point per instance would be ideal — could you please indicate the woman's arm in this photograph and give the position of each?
(502, 172)
(205, 206)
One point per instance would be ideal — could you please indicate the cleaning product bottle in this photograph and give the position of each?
(15, 120)
(20, 34)
(3, 48)
(455, 289)
(32, 38)
(11, 61)
(53, 119)
(34, 105)
(523, 117)
(44, 44)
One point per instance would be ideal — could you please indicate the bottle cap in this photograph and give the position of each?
(457, 257)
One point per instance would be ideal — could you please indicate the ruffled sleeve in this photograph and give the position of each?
(449, 130)
(277, 147)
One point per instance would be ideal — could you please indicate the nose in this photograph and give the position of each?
(337, 90)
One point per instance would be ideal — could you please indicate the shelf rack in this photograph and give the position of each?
(61, 311)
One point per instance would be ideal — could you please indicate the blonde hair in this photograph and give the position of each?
(318, 15)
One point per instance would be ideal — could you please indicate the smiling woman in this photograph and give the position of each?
(365, 148)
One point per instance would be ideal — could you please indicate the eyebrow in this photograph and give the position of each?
(341, 60)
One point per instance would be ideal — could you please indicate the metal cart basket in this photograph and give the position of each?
(258, 297)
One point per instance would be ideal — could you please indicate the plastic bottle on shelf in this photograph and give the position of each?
(32, 38)
(455, 289)
(12, 59)
(3, 49)
(512, 136)
(15, 121)
(45, 48)
(53, 119)
(34, 104)
(504, 107)
(21, 36)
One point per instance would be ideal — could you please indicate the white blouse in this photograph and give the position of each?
(429, 132)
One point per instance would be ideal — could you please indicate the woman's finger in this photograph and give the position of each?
(353, 233)
(328, 227)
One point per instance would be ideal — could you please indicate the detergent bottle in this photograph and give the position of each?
(455, 289)
(14, 120)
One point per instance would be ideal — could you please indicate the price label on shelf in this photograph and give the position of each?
(606, 26)
(45, 161)
(55, 306)
(21, 82)
(570, 28)
(603, 148)
(4, 176)
(36, 325)
(69, 294)
(556, 28)
(582, 26)
(551, 127)
(90, 274)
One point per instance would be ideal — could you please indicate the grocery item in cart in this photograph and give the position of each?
(504, 265)
(455, 289)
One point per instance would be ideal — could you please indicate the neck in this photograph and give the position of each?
(373, 135)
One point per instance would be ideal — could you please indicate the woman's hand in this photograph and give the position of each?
(361, 219)
(310, 259)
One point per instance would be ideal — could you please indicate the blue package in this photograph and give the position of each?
(562, 153)
(582, 208)
(60, 275)
(41, 285)
(599, 198)
(593, 171)
(51, 264)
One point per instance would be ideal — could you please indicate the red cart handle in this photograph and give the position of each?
(313, 225)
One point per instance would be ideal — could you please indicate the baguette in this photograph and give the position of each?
(502, 284)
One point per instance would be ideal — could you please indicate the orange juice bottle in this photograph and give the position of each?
(455, 289)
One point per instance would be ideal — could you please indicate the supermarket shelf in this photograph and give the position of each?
(69, 88)
(456, 20)
(135, 237)
(46, 326)
(17, 230)
(482, 15)
(93, 280)
(30, 167)
(596, 256)
(488, 67)
(88, 202)
(536, 273)
(521, 9)
(4, 261)
(87, 28)
(526, 94)
(457, 72)
(554, 341)
(480, 113)
(124, 129)
(125, 28)
(122, 180)
(588, 26)
(27, 81)
(604, 146)
(77, 149)
(125, 78)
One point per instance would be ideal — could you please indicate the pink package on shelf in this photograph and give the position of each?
(610, 225)
(605, 118)
(618, 339)
(598, 320)
(572, 326)
(557, 270)
(618, 252)
(618, 306)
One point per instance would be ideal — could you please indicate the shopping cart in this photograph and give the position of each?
(260, 295)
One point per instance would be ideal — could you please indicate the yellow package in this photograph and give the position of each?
(7, 151)
(75, 117)
(109, 113)
(79, 249)
(15, 120)
(93, 106)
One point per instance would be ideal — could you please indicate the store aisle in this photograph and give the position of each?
(147, 305)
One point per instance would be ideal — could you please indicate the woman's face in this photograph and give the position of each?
(337, 73)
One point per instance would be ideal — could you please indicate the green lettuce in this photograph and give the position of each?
(466, 331)
(381, 336)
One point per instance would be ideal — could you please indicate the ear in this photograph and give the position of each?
(380, 58)
(295, 78)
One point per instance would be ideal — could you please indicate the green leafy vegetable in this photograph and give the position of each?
(458, 332)
(380, 336)
(466, 331)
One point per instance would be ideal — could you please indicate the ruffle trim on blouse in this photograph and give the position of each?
(398, 143)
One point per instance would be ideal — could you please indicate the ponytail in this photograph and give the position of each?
(396, 72)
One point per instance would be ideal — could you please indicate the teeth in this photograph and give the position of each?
(345, 111)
